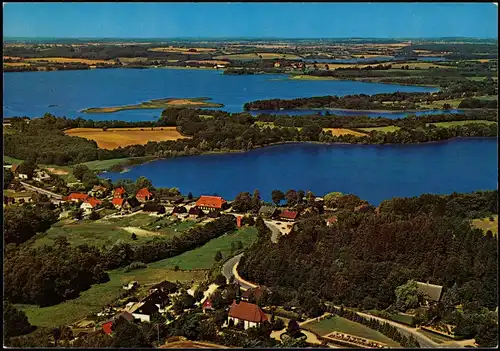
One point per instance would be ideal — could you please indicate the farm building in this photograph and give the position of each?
(254, 294)
(250, 314)
(268, 211)
(171, 200)
(211, 203)
(287, 215)
(145, 311)
(118, 202)
(131, 204)
(431, 292)
(40, 176)
(144, 195)
(153, 207)
(164, 286)
(178, 210)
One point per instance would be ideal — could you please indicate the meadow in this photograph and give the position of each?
(342, 131)
(460, 123)
(113, 138)
(386, 129)
(70, 60)
(485, 224)
(255, 56)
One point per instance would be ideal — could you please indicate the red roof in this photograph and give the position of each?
(247, 312)
(289, 214)
(118, 191)
(332, 219)
(78, 196)
(207, 304)
(93, 201)
(210, 201)
(107, 327)
(143, 193)
(117, 201)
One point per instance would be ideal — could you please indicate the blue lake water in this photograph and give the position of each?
(373, 172)
(64, 93)
(392, 115)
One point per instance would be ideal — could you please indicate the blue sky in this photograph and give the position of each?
(285, 20)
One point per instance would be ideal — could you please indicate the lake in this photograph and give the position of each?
(64, 93)
(373, 172)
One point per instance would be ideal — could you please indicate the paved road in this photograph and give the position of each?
(42, 191)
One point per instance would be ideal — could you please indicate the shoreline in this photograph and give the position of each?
(126, 167)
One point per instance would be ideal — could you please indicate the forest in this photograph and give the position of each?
(364, 257)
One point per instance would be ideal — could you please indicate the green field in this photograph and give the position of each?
(460, 123)
(203, 257)
(108, 232)
(343, 325)
(485, 224)
(387, 129)
(100, 295)
(400, 318)
(12, 160)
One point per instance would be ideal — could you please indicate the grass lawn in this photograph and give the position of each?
(460, 123)
(387, 129)
(485, 224)
(336, 323)
(99, 295)
(400, 318)
(105, 164)
(12, 160)
(16, 194)
(203, 257)
(108, 232)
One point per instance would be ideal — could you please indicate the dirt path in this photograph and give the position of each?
(139, 231)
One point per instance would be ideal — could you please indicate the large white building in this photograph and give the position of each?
(250, 314)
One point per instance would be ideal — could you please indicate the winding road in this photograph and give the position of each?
(42, 191)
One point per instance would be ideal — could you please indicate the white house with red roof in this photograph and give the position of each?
(250, 314)
(211, 203)
(90, 204)
(143, 195)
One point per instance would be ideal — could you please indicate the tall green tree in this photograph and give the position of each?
(277, 196)
(15, 322)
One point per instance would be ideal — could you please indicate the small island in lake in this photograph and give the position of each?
(158, 104)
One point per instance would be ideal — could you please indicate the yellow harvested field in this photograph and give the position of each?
(367, 56)
(209, 62)
(255, 56)
(16, 64)
(343, 131)
(12, 58)
(69, 60)
(177, 102)
(57, 171)
(113, 138)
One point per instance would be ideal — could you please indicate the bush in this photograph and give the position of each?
(278, 324)
(134, 265)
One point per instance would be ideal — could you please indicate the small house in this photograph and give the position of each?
(207, 305)
(131, 285)
(144, 195)
(431, 292)
(90, 204)
(41, 176)
(178, 210)
(195, 213)
(160, 299)
(98, 191)
(119, 193)
(268, 211)
(287, 215)
(131, 204)
(77, 197)
(250, 314)
(22, 176)
(153, 207)
(171, 200)
(211, 203)
(145, 312)
(213, 214)
(118, 202)
(254, 294)
(107, 326)
(166, 286)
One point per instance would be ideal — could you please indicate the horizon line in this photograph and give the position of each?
(249, 37)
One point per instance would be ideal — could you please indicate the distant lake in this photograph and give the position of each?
(392, 115)
(64, 93)
(373, 172)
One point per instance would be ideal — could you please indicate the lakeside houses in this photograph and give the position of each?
(268, 212)
(247, 313)
(144, 195)
(90, 204)
(211, 203)
(287, 215)
(431, 292)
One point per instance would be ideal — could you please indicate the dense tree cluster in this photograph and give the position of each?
(15, 322)
(22, 222)
(48, 275)
(368, 255)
